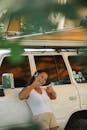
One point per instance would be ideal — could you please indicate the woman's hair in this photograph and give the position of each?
(35, 75)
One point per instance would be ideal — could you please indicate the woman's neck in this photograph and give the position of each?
(38, 89)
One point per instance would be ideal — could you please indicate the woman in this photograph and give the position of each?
(37, 98)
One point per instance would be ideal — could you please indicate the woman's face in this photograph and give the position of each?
(41, 78)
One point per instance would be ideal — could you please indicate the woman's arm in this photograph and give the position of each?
(51, 93)
(25, 92)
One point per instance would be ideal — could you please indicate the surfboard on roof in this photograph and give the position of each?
(67, 38)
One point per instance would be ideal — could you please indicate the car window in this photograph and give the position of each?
(55, 67)
(79, 68)
(21, 72)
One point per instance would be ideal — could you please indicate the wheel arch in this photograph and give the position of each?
(75, 116)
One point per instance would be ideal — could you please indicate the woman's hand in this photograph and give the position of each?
(50, 92)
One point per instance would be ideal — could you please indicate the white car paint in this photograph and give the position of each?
(70, 98)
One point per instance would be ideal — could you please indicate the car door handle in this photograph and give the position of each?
(72, 98)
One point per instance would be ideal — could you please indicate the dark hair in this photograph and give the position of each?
(35, 75)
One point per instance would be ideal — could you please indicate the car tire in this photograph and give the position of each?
(78, 124)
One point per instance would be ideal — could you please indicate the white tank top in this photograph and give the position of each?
(39, 102)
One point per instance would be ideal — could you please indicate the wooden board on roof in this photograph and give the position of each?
(76, 34)
(70, 38)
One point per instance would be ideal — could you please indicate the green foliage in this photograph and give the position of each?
(36, 14)
(37, 20)
(81, 3)
(16, 53)
(35, 27)
(16, 50)
(68, 10)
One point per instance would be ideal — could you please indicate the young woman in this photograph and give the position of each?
(37, 98)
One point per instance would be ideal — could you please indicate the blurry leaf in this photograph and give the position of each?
(16, 50)
(16, 53)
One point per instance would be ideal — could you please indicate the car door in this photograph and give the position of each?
(67, 101)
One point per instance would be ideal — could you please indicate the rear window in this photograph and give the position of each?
(21, 72)
(79, 68)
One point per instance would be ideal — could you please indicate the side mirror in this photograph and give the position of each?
(7, 80)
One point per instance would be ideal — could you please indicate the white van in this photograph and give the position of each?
(67, 70)
(65, 61)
